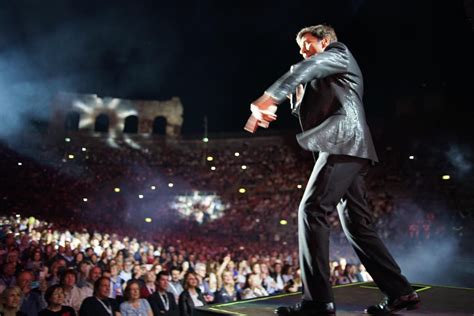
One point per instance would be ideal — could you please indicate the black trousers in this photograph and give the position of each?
(337, 183)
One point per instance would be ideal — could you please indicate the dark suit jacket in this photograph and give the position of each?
(331, 112)
(186, 304)
(157, 305)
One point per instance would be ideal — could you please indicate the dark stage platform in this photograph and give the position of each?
(351, 299)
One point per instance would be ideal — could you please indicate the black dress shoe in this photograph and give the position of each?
(306, 308)
(389, 306)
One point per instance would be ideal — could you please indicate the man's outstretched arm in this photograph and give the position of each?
(332, 61)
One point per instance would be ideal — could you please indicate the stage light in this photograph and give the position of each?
(67, 139)
(83, 148)
(70, 156)
(85, 199)
(213, 168)
(446, 177)
(299, 186)
(210, 158)
(170, 185)
(20, 164)
(241, 247)
(17, 215)
(205, 139)
(236, 154)
(411, 157)
(244, 167)
(283, 222)
(148, 220)
(117, 190)
(257, 220)
(140, 196)
(242, 190)
(153, 187)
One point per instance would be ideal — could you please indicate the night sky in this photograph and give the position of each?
(218, 56)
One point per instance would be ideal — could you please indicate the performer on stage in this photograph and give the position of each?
(326, 90)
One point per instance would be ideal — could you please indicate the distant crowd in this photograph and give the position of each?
(74, 239)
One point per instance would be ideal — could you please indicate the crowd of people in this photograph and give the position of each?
(49, 271)
(74, 239)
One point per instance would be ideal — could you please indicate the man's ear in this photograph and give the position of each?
(325, 42)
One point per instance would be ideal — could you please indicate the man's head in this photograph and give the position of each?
(200, 269)
(313, 40)
(24, 280)
(9, 269)
(68, 278)
(175, 274)
(94, 274)
(162, 281)
(102, 287)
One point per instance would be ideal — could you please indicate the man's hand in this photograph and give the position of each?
(263, 112)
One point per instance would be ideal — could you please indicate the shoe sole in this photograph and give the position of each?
(409, 307)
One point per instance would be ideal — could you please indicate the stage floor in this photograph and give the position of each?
(351, 299)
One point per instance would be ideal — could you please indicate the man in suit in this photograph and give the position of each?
(328, 101)
(161, 301)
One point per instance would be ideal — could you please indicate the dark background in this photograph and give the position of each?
(218, 56)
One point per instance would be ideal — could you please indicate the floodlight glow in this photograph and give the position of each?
(210, 158)
(236, 154)
(170, 185)
(84, 199)
(446, 177)
(244, 167)
(411, 157)
(213, 168)
(148, 220)
(84, 149)
(153, 187)
(242, 190)
(198, 206)
(283, 222)
(20, 164)
(67, 139)
(70, 156)
(205, 139)
(117, 190)
(140, 196)
(299, 186)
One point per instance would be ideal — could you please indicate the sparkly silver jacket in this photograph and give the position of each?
(331, 112)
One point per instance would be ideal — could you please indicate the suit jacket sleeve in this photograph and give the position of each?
(332, 61)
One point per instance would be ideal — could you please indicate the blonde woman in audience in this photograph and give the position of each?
(10, 302)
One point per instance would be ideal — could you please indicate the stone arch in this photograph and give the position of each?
(159, 125)
(102, 122)
(131, 124)
(71, 123)
(91, 107)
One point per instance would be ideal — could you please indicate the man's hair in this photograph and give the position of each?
(65, 273)
(320, 31)
(160, 274)
(175, 268)
(97, 283)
